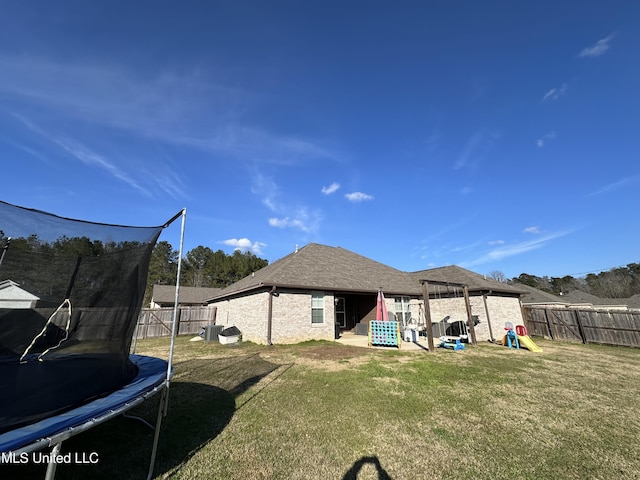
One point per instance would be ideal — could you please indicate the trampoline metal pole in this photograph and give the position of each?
(156, 434)
(176, 301)
(51, 467)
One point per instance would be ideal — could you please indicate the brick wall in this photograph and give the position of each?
(291, 321)
(291, 317)
(248, 313)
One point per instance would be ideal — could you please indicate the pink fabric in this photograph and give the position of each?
(381, 308)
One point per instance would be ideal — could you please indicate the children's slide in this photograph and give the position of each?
(526, 342)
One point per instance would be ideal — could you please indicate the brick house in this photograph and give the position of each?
(310, 293)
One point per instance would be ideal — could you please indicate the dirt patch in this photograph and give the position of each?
(332, 352)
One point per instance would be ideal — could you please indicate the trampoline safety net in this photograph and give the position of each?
(70, 295)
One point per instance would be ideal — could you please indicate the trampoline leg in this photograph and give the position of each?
(51, 467)
(156, 436)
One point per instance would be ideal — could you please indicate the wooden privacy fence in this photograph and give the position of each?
(604, 326)
(156, 322)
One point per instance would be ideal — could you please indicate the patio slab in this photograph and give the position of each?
(351, 339)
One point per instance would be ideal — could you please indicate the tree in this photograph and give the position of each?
(199, 267)
(163, 268)
(497, 275)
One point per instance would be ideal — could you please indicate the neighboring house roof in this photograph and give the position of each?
(634, 301)
(320, 267)
(537, 296)
(474, 281)
(10, 290)
(166, 294)
(578, 296)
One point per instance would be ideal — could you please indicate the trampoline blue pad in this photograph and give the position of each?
(152, 372)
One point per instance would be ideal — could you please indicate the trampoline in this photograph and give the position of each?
(70, 296)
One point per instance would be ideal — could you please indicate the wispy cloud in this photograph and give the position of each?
(88, 157)
(599, 48)
(534, 230)
(289, 215)
(432, 142)
(506, 251)
(266, 188)
(612, 187)
(358, 197)
(496, 242)
(555, 93)
(245, 245)
(84, 154)
(186, 109)
(476, 149)
(331, 188)
(541, 142)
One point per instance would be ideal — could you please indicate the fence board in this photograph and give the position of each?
(157, 322)
(603, 326)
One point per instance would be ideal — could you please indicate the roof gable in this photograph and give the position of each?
(12, 291)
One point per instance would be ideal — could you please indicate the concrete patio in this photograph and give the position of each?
(351, 339)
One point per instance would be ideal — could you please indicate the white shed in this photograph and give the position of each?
(12, 296)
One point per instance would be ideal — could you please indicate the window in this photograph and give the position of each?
(403, 313)
(317, 307)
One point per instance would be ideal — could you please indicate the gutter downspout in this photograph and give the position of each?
(270, 314)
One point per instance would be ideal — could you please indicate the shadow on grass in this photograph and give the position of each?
(352, 473)
(202, 400)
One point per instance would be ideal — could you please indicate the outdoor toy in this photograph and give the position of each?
(452, 346)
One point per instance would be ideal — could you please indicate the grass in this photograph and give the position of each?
(322, 410)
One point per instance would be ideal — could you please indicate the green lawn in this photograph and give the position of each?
(328, 411)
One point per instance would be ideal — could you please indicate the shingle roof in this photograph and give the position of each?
(474, 281)
(535, 295)
(578, 296)
(320, 267)
(634, 301)
(164, 294)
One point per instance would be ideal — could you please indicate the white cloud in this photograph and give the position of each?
(244, 245)
(331, 188)
(358, 197)
(496, 242)
(303, 219)
(555, 93)
(599, 48)
(534, 230)
(541, 142)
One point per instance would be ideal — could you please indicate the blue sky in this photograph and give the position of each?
(498, 135)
